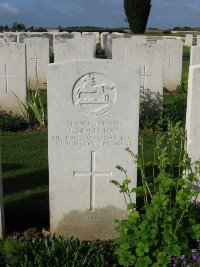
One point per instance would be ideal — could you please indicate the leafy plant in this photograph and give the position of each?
(9, 251)
(52, 251)
(175, 111)
(166, 225)
(99, 51)
(33, 110)
(11, 122)
(151, 109)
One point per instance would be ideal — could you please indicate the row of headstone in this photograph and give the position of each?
(54, 37)
(22, 65)
(149, 55)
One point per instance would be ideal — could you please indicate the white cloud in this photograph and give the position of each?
(6, 8)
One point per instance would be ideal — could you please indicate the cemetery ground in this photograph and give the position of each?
(25, 177)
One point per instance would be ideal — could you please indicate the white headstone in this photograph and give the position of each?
(76, 34)
(24, 35)
(62, 37)
(150, 58)
(37, 56)
(198, 39)
(2, 219)
(109, 41)
(173, 50)
(193, 114)
(12, 76)
(188, 40)
(103, 39)
(195, 55)
(119, 44)
(10, 36)
(93, 115)
(74, 49)
(92, 35)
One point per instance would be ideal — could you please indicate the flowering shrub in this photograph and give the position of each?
(166, 227)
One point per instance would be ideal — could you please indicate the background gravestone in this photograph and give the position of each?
(109, 40)
(12, 76)
(62, 37)
(103, 39)
(119, 44)
(10, 37)
(150, 58)
(24, 35)
(195, 55)
(188, 40)
(173, 56)
(92, 35)
(76, 34)
(37, 56)
(93, 115)
(193, 115)
(198, 39)
(74, 49)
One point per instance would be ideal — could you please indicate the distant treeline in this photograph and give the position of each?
(22, 27)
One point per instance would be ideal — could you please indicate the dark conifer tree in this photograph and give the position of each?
(137, 13)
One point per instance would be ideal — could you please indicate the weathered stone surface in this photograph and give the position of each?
(10, 36)
(193, 115)
(92, 35)
(76, 34)
(109, 40)
(119, 44)
(198, 39)
(173, 63)
(188, 40)
(37, 56)
(150, 58)
(24, 35)
(195, 55)
(62, 37)
(74, 49)
(12, 76)
(104, 39)
(93, 115)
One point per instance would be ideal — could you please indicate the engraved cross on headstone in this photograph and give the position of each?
(93, 174)
(36, 58)
(7, 76)
(170, 60)
(145, 75)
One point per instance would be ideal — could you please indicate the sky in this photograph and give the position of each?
(164, 14)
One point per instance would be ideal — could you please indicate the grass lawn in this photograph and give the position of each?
(25, 180)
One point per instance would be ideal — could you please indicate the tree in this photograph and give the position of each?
(18, 26)
(137, 13)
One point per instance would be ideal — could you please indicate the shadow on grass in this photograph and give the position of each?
(25, 181)
(32, 211)
(11, 167)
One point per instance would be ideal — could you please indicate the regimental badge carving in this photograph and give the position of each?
(94, 94)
